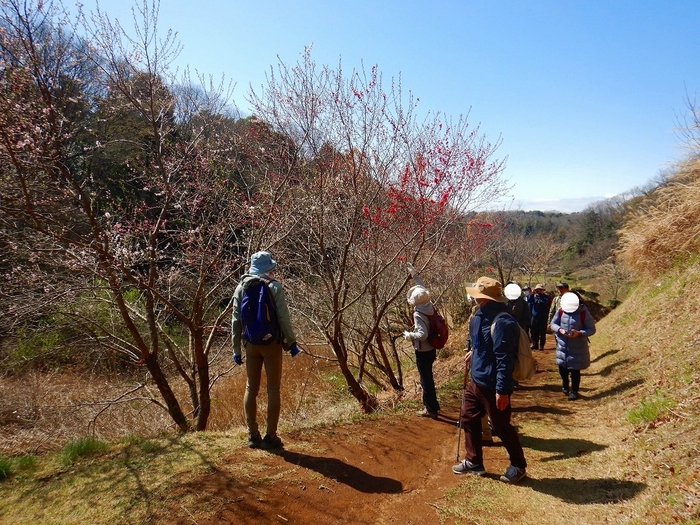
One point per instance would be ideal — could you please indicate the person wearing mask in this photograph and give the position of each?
(491, 370)
(572, 325)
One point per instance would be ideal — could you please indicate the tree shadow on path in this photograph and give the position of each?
(341, 472)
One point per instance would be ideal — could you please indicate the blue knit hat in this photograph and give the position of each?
(261, 262)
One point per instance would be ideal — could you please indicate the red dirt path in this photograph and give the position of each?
(377, 471)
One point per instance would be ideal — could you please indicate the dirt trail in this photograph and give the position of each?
(388, 470)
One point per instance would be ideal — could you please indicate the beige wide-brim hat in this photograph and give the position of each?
(487, 288)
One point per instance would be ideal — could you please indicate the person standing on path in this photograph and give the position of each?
(418, 297)
(491, 370)
(269, 355)
(572, 325)
(539, 308)
(562, 288)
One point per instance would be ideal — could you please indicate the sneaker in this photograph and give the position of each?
(573, 396)
(467, 467)
(427, 413)
(271, 442)
(254, 441)
(513, 474)
(565, 390)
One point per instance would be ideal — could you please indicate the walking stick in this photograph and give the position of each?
(467, 359)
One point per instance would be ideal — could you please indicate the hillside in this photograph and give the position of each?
(587, 460)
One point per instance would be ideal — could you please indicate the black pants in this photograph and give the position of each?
(539, 332)
(575, 378)
(424, 364)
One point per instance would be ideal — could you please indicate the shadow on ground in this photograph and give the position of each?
(341, 472)
(587, 491)
(561, 448)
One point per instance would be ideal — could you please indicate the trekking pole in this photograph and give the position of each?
(464, 387)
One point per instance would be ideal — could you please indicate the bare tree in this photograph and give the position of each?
(133, 185)
(376, 188)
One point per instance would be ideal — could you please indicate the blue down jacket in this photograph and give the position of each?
(572, 352)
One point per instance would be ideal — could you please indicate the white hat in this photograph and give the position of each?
(570, 302)
(512, 291)
(417, 295)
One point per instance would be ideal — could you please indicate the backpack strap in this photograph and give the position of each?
(493, 323)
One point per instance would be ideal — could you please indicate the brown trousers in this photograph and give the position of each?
(478, 402)
(257, 356)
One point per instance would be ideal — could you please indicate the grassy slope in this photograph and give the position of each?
(587, 460)
(656, 337)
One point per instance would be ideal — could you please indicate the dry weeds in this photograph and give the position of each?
(666, 227)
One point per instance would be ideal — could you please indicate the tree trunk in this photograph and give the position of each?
(168, 396)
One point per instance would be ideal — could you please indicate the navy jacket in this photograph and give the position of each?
(493, 360)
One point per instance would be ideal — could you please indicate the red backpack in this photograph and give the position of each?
(438, 331)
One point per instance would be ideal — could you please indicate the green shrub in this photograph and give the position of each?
(79, 448)
(649, 410)
(27, 462)
(5, 468)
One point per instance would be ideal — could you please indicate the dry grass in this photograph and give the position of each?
(587, 461)
(666, 227)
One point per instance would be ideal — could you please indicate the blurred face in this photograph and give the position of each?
(562, 290)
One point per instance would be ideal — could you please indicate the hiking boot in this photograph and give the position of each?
(271, 442)
(427, 413)
(513, 474)
(254, 441)
(467, 467)
(573, 396)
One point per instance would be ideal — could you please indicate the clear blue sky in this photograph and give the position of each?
(587, 95)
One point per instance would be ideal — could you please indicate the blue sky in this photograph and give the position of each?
(586, 95)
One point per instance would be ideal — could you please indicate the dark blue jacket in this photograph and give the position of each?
(493, 360)
(539, 305)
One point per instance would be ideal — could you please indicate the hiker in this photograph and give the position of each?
(572, 325)
(418, 297)
(519, 309)
(517, 306)
(539, 310)
(527, 297)
(258, 355)
(562, 288)
(486, 433)
(492, 363)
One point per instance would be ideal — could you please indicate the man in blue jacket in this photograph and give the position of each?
(492, 363)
